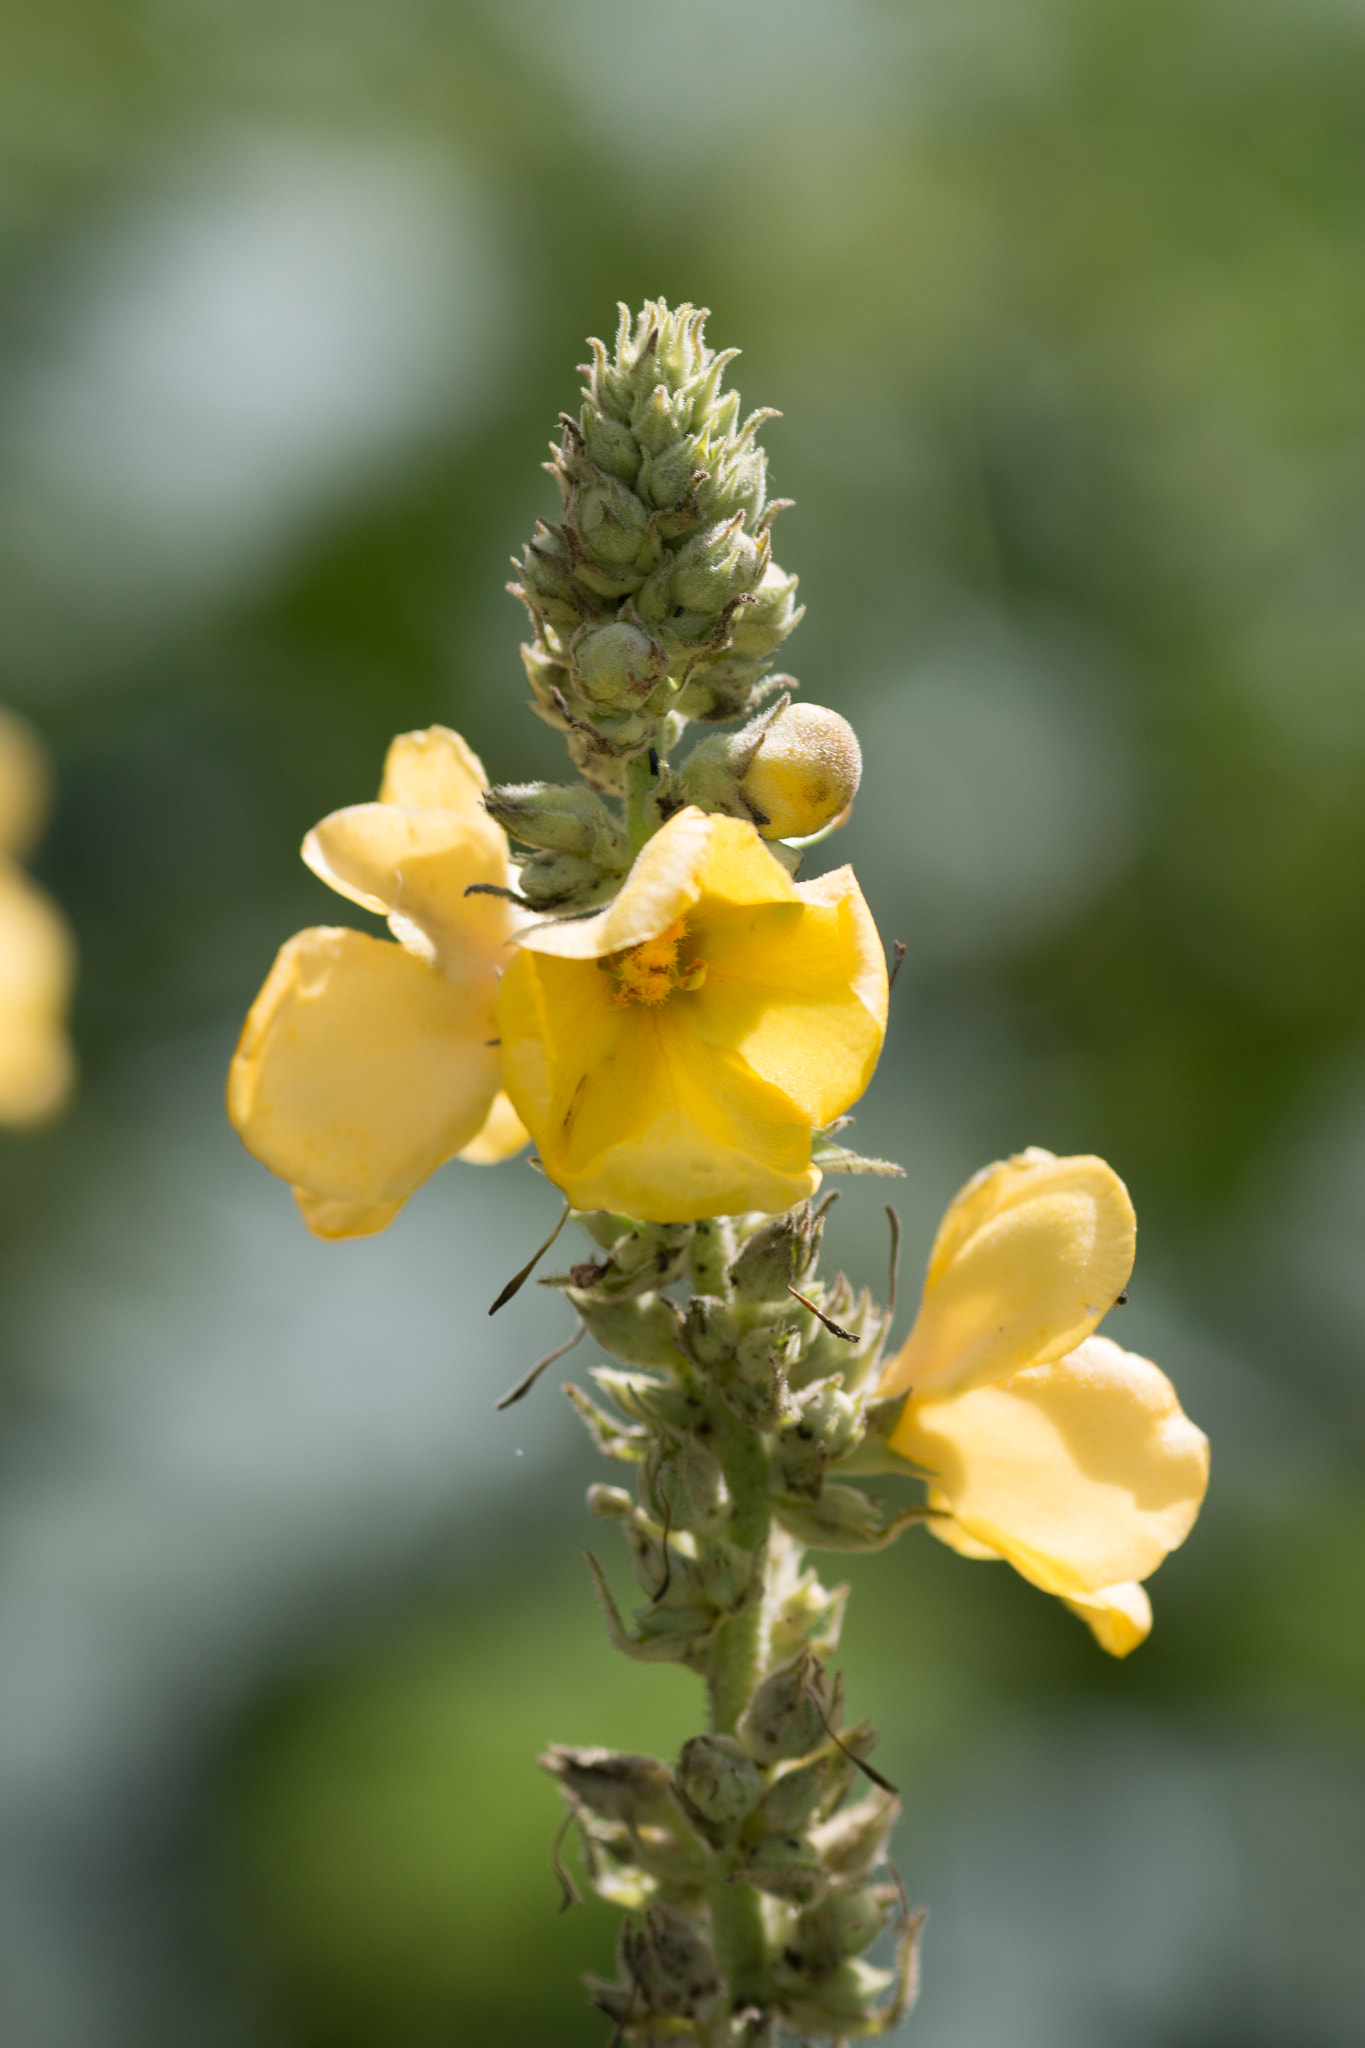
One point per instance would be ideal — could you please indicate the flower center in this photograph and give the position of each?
(649, 972)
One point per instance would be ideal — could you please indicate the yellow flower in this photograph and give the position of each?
(671, 1054)
(363, 1066)
(1048, 1446)
(37, 960)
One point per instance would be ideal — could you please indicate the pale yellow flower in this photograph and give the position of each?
(1049, 1446)
(37, 959)
(671, 1055)
(364, 1065)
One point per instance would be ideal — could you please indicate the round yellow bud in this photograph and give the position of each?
(805, 773)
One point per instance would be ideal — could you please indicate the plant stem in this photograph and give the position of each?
(738, 1665)
(641, 775)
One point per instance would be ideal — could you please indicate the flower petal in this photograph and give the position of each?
(360, 1068)
(330, 1219)
(691, 851)
(1031, 1254)
(503, 1133)
(1119, 1617)
(798, 990)
(36, 966)
(1084, 1473)
(632, 1110)
(25, 784)
(415, 866)
(434, 770)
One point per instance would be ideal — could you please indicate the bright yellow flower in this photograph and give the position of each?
(363, 1066)
(671, 1054)
(37, 960)
(1048, 1446)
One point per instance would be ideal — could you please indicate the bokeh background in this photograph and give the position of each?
(1063, 302)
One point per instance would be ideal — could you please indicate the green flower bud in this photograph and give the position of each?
(829, 1423)
(853, 1841)
(669, 1964)
(610, 1503)
(844, 2004)
(713, 1247)
(804, 772)
(667, 478)
(683, 1481)
(616, 667)
(612, 1783)
(844, 1923)
(787, 1866)
(717, 565)
(612, 524)
(809, 1618)
(548, 675)
(548, 585)
(843, 1518)
(773, 613)
(561, 817)
(710, 1330)
(797, 1797)
(659, 420)
(791, 1713)
(642, 1329)
(564, 881)
(610, 445)
(643, 1398)
(717, 1785)
(767, 1262)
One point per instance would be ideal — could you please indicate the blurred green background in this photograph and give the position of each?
(1064, 305)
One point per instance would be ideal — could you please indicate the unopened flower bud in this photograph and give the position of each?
(716, 565)
(668, 476)
(767, 1261)
(828, 1425)
(562, 817)
(788, 1867)
(809, 1618)
(853, 1841)
(611, 1783)
(718, 1784)
(710, 1330)
(804, 773)
(773, 613)
(844, 1923)
(615, 667)
(683, 1480)
(642, 1329)
(843, 1518)
(789, 1715)
(564, 881)
(611, 523)
(670, 1962)
(796, 1797)
(844, 2003)
(610, 1503)
(610, 445)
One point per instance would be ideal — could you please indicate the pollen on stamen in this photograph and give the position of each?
(649, 973)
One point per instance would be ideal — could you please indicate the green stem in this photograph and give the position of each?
(641, 776)
(738, 1665)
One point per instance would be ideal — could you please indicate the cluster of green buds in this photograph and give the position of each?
(755, 1885)
(657, 592)
(655, 602)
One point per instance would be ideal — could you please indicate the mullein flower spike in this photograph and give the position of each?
(624, 969)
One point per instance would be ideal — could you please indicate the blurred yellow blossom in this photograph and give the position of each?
(1048, 1446)
(671, 1055)
(37, 959)
(364, 1065)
